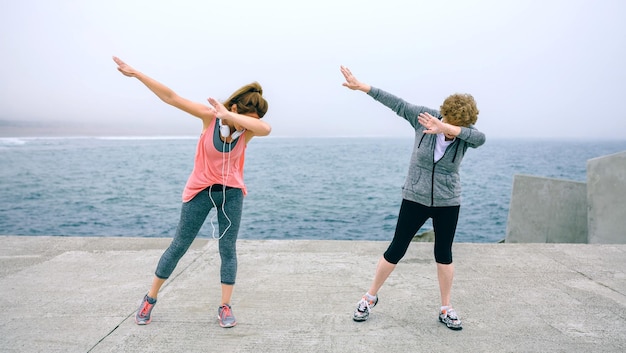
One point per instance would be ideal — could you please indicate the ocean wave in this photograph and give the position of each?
(18, 141)
(12, 141)
(24, 139)
(146, 137)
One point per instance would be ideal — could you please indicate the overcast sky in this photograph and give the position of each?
(550, 68)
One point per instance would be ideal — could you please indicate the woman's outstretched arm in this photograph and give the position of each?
(167, 95)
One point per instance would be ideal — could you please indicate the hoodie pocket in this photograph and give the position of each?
(447, 186)
(418, 183)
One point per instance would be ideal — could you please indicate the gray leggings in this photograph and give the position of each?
(192, 216)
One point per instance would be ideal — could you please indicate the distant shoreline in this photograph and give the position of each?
(69, 129)
(32, 135)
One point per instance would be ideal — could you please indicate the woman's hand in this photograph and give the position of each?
(432, 124)
(351, 81)
(125, 68)
(220, 109)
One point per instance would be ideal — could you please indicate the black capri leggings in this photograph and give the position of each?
(411, 218)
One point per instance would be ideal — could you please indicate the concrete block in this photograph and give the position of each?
(547, 210)
(606, 199)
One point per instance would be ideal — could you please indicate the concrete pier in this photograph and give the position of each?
(77, 294)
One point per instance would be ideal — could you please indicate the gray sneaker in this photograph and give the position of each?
(225, 316)
(363, 309)
(142, 317)
(450, 319)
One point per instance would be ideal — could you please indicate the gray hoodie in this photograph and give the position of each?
(429, 183)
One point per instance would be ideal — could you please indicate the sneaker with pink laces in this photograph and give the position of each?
(225, 316)
(142, 317)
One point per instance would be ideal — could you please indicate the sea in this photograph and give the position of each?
(327, 188)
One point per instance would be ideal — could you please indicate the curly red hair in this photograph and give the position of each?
(460, 109)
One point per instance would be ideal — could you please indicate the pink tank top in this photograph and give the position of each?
(211, 166)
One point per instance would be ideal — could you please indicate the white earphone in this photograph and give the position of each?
(225, 131)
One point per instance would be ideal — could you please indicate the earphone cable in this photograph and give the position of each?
(224, 179)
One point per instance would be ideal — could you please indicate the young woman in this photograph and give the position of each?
(215, 182)
(432, 187)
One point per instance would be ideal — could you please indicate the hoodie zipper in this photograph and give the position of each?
(432, 183)
(432, 174)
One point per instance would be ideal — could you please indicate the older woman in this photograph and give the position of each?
(432, 188)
